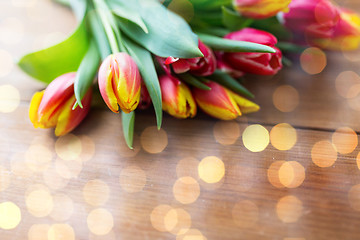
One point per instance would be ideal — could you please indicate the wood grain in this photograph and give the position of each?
(244, 204)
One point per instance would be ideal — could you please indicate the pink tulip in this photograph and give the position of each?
(255, 63)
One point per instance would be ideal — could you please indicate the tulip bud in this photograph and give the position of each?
(119, 82)
(177, 99)
(52, 107)
(255, 63)
(259, 9)
(199, 66)
(222, 103)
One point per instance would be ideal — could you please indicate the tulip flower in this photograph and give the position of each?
(145, 99)
(199, 66)
(222, 103)
(260, 9)
(177, 99)
(120, 82)
(346, 33)
(52, 107)
(315, 18)
(256, 63)
(223, 66)
(323, 24)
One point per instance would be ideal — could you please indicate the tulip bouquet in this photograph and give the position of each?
(144, 52)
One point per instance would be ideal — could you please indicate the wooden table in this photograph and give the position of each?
(290, 171)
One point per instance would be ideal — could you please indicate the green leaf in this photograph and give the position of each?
(227, 45)
(206, 5)
(272, 25)
(146, 67)
(79, 8)
(169, 34)
(86, 73)
(233, 21)
(229, 82)
(191, 80)
(128, 123)
(52, 62)
(290, 47)
(128, 10)
(99, 34)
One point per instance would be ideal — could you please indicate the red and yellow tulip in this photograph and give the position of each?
(259, 9)
(323, 24)
(177, 99)
(222, 103)
(52, 107)
(346, 34)
(120, 82)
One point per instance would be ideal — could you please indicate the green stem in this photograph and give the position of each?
(108, 29)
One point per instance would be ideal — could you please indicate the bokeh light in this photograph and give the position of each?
(100, 221)
(153, 140)
(347, 84)
(283, 136)
(24, 3)
(211, 169)
(226, 132)
(63, 207)
(186, 190)
(38, 232)
(96, 192)
(132, 179)
(273, 174)
(245, 214)
(39, 202)
(18, 166)
(61, 232)
(9, 98)
(177, 221)
(285, 98)
(68, 147)
(313, 60)
(6, 66)
(345, 140)
(68, 169)
(38, 157)
(12, 31)
(289, 209)
(291, 174)
(53, 180)
(187, 167)
(157, 217)
(358, 160)
(323, 154)
(88, 148)
(255, 138)
(192, 234)
(354, 197)
(10, 215)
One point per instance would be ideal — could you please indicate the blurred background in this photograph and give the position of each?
(290, 171)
